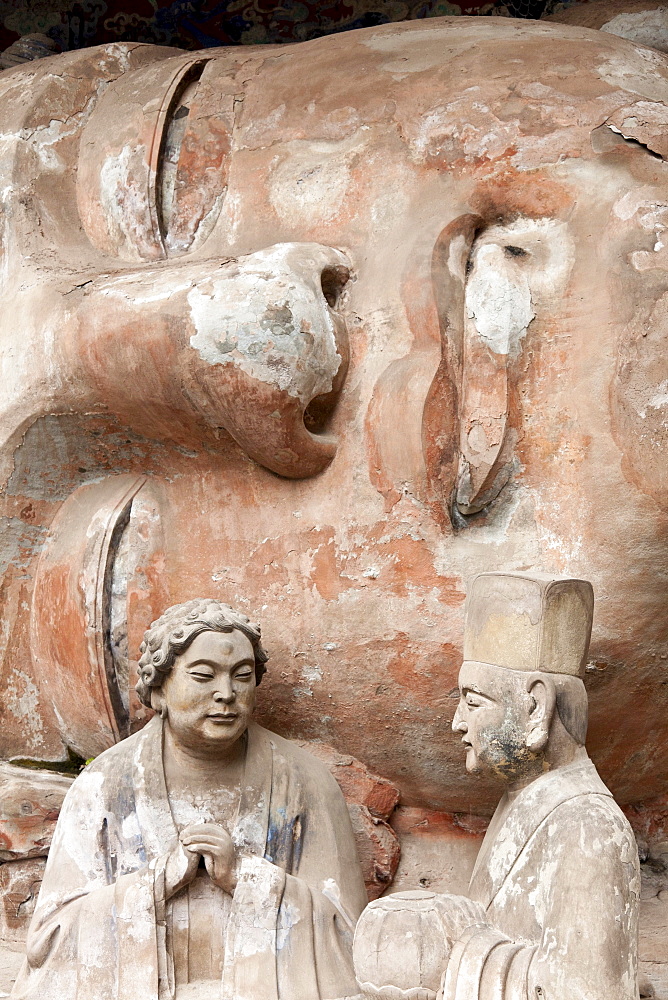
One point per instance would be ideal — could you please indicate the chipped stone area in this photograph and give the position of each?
(30, 802)
(371, 802)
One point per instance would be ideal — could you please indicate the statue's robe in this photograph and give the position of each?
(101, 928)
(558, 876)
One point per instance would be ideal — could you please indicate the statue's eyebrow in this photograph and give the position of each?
(474, 689)
(207, 662)
(246, 662)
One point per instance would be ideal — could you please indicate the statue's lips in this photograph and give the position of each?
(225, 717)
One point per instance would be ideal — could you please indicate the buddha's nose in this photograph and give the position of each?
(255, 346)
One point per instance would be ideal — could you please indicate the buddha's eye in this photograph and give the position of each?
(243, 675)
(192, 162)
(154, 159)
(473, 701)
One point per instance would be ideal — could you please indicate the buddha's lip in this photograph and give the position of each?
(226, 716)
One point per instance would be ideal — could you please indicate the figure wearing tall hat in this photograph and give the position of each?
(552, 912)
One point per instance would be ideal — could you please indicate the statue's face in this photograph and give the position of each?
(209, 694)
(460, 274)
(493, 718)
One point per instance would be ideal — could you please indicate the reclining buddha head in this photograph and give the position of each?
(324, 330)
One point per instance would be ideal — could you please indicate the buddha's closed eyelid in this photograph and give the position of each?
(191, 172)
(152, 185)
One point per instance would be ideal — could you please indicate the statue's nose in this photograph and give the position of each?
(256, 346)
(225, 692)
(268, 353)
(458, 724)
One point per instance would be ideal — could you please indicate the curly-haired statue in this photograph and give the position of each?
(203, 857)
(173, 632)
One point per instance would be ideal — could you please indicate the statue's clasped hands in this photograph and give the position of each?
(202, 840)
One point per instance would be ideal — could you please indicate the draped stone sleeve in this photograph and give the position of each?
(93, 934)
(291, 927)
(581, 891)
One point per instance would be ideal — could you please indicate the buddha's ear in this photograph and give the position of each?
(158, 703)
(543, 700)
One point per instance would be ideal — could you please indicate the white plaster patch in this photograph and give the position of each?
(631, 202)
(311, 673)
(465, 122)
(515, 268)
(137, 911)
(568, 550)
(457, 257)
(248, 829)
(269, 318)
(639, 71)
(290, 917)
(256, 128)
(391, 204)
(22, 700)
(123, 201)
(657, 401)
(130, 826)
(426, 48)
(645, 27)
(309, 185)
(498, 301)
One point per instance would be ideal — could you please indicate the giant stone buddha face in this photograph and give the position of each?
(322, 331)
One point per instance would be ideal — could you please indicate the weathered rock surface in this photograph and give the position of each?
(30, 802)
(19, 887)
(371, 803)
(11, 958)
(504, 325)
(650, 825)
(641, 21)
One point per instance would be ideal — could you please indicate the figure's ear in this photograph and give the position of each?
(543, 696)
(158, 703)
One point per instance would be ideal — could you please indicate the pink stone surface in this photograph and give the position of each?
(344, 492)
(30, 803)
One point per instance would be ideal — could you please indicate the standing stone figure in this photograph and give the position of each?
(553, 908)
(204, 856)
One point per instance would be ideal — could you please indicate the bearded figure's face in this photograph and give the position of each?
(322, 331)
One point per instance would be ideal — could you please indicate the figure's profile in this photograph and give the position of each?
(204, 856)
(554, 895)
